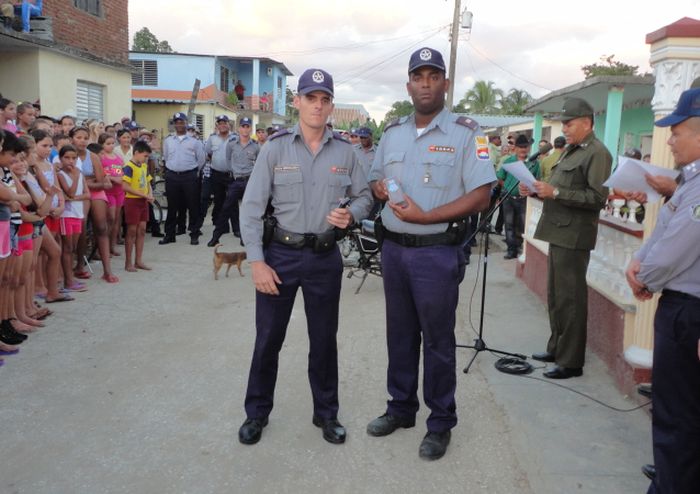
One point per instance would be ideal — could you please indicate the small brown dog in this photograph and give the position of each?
(229, 258)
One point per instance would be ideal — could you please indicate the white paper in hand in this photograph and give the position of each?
(520, 171)
(629, 176)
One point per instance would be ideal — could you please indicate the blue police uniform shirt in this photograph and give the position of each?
(670, 258)
(241, 159)
(435, 166)
(216, 147)
(304, 187)
(182, 154)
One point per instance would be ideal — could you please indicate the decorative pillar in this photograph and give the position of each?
(613, 117)
(255, 89)
(536, 131)
(675, 58)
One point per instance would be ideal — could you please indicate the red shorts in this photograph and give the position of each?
(53, 224)
(71, 226)
(135, 210)
(115, 199)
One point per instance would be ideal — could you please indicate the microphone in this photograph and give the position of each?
(545, 149)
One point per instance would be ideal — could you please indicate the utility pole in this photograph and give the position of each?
(453, 52)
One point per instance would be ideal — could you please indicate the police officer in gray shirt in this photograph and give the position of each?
(220, 179)
(441, 161)
(669, 262)
(303, 173)
(183, 156)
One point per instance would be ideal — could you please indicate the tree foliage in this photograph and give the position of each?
(608, 66)
(145, 40)
(515, 101)
(291, 113)
(483, 98)
(398, 109)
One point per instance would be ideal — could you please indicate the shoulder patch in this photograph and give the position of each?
(467, 122)
(280, 133)
(695, 212)
(394, 123)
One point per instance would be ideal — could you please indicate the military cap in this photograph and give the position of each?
(245, 121)
(574, 108)
(179, 116)
(315, 80)
(364, 132)
(426, 57)
(688, 106)
(222, 118)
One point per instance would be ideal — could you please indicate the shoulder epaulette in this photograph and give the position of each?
(467, 122)
(395, 122)
(279, 133)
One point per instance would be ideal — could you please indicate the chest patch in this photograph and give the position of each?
(695, 212)
(339, 170)
(482, 147)
(441, 149)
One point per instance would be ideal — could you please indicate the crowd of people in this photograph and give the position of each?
(66, 185)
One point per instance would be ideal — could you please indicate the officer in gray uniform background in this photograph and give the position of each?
(220, 171)
(441, 161)
(304, 172)
(669, 262)
(241, 154)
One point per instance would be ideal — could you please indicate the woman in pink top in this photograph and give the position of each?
(112, 165)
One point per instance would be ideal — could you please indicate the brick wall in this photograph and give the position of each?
(106, 36)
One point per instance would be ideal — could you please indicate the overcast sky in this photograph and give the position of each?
(535, 46)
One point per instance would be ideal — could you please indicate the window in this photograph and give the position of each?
(147, 74)
(93, 7)
(198, 121)
(224, 83)
(89, 101)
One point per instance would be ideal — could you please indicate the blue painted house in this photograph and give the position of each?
(162, 84)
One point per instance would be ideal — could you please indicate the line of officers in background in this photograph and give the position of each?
(221, 167)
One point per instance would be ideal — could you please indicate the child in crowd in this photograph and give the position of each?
(12, 197)
(75, 191)
(137, 187)
(50, 259)
(112, 165)
(59, 140)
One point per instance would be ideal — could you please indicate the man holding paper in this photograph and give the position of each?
(513, 202)
(572, 199)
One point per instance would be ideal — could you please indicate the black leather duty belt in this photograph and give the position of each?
(411, 240)
(241, 178)
(193, 170)
(322, 242)
(682, 295)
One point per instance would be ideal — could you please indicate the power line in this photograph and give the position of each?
(506, 70)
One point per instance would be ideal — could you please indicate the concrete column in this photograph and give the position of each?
(255, 90)
(613, 117)
(675, 58)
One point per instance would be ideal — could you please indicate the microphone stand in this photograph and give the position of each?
(479, 343)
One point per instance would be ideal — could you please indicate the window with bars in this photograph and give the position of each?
(225, 84)
(89, 101)
(93, 7)
(147, 74)
(198, 121)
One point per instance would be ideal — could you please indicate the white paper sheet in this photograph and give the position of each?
(519, 170)
(629, 176)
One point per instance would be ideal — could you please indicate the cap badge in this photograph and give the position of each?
(426, 54)
(318, 77)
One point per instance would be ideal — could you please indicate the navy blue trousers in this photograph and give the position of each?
(676, 396)
(319, 277)
(230, 211)
(421, 287)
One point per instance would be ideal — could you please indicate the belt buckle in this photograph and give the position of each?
(409, 240)
(309, 239)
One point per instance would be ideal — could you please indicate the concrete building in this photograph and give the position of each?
(346, 114)
(162, 84)
(76, 63)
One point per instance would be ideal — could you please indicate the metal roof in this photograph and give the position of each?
(490, 121)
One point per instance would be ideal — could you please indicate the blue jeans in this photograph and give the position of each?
(28, 10)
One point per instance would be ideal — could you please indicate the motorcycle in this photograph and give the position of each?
(361, 253)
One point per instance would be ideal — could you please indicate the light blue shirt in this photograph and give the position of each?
(446, 161)
(181, 155)
(216, 147)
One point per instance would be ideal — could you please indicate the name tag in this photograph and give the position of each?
(287, 168)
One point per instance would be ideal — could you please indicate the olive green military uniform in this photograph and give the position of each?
(570, 224)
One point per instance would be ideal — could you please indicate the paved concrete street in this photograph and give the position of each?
(138, 388)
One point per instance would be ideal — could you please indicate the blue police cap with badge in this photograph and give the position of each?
(315, 80)
(222, 118)
(132, 125)
(426, 57)
(179, 116)
(245, 121)
(688, 106)
(364, 132)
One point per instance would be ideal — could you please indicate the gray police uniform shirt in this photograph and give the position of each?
(303, 187)
(449, 159)
(216, 147)
(670, 258)
(241, 158)
(181, 155)
(366, 157)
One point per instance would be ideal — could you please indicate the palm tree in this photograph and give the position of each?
(483, 98)
(515, 102)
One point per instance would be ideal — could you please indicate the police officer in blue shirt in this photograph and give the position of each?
(441, 161)
(183, 156)
(669, 262)
(303, 174)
